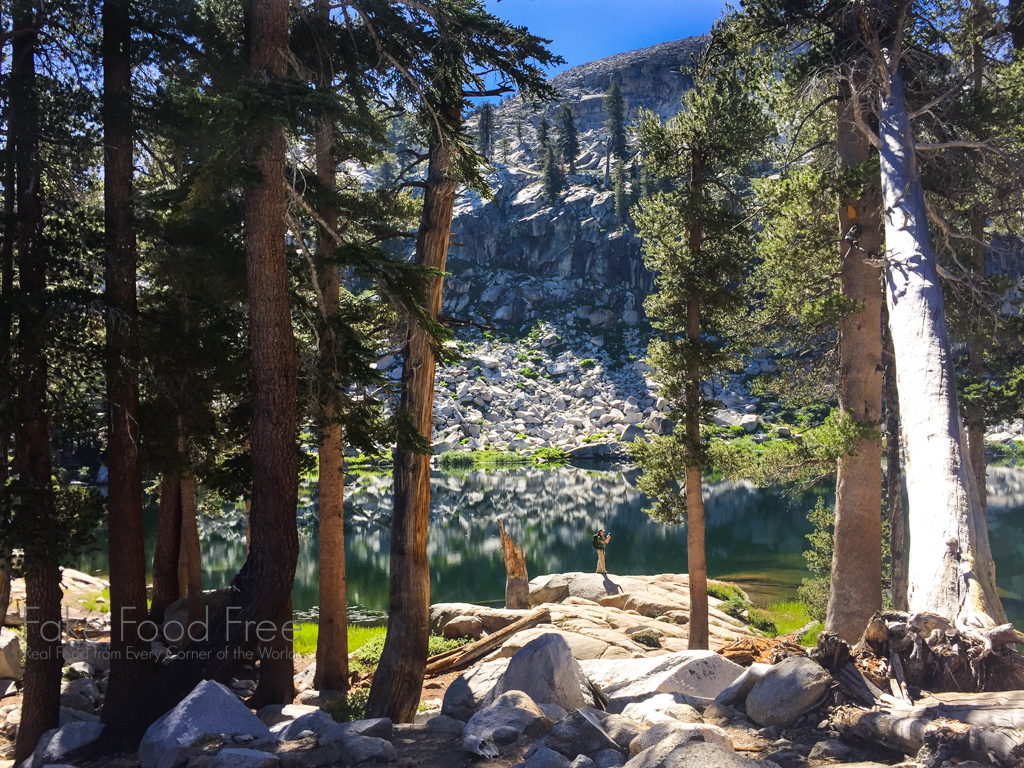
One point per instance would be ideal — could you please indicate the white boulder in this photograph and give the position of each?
(210, 710)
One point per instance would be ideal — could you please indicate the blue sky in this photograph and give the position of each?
(584, 30)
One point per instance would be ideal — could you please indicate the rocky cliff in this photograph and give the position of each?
(518, 256)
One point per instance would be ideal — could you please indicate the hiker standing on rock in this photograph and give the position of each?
(600, 539)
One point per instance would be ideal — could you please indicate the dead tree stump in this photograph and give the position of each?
(517, 582)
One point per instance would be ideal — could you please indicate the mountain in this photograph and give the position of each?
(516, 256)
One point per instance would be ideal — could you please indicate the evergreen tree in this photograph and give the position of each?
(568, 139)
(622, 201)
(697, 246)
(543, 136)
(485, 129)
(463, 41)
(551, 176)
(129, 663)
(615, 120)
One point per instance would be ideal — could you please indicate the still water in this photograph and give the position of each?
(755, 536)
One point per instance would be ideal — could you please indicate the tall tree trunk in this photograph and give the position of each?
(262, 587)
(190, 564)
(41, 705)
(6, 356)
(277, 667)
(856, 584)
(696, 559)
(275, 545)
(399, 677)
(129, 663)
(974, 413)
(168, 547)
(951, 569)
(332, 640)
(894, 473)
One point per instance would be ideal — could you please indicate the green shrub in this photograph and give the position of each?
(646, 637)
(537, 360)
(451, 459)
(587, 363)
(368, 656)
(725, 591)
(551, 454)
(735, 607)
(761, 621)
(437, 644)
(348, 707)
(528, 373)
(522, 357)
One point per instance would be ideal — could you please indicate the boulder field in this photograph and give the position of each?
(607, 682)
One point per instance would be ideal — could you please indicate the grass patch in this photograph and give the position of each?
(725, 591)
(368, 654)
(776, 619)
(482, 459)
(306, 636)
(94, 603)
(788, 617)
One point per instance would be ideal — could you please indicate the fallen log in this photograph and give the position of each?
(452, 660)
(910, 730)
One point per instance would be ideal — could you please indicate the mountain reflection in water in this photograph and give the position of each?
(755, 536)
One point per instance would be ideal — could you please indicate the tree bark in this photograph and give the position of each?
(856, 584)
(41, 704)
(40, 708)
(332, 640)
(129, 662)
(894, 475)
(6, 356)
(974, 413)
(399, 678)
(190, 566)
(275, 547)
(263, 585)
(696, 559)
(517, 581)
(168, 547)
(951, 569)
(277, 667)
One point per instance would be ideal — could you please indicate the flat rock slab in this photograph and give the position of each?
(700, 675)
(580, 645)
(694, 755)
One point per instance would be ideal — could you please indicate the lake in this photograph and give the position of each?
(755, 536)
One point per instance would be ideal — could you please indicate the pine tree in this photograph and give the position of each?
(697, 246)
(615, 122)
(466, 41)
(622, 201)
(568, 143)
(551, 176)
(485, 129)
(543, 135)
(129, 662)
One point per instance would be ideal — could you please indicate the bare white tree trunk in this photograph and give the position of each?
(950, 565)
